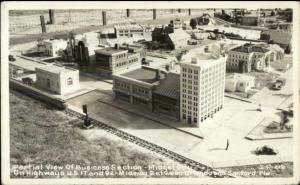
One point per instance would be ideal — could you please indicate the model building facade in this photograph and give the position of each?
(57, 79)
(202, 84)
(117, 60)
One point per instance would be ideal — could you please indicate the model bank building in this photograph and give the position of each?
(202, 83)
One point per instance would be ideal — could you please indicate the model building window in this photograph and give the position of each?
(70, 81)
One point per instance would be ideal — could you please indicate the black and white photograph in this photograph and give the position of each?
(165, 92)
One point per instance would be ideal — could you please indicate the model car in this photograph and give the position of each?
(265, 150)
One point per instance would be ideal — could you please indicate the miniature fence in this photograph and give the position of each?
(30, 23)
(37, 94)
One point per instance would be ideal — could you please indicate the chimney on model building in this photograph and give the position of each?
(116, 46)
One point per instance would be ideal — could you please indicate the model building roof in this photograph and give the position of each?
(249, 48)
(110, 51)
(129, 27)
(238, 76)
(143, 74)
(56, 69)
(169, 86)
(178, 34)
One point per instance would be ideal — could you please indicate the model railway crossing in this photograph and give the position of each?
(152, 147)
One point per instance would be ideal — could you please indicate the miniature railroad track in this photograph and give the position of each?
(152, 147)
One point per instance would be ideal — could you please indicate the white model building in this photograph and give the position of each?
(202, 82)
(129, 30)
(178, 39)
(51, 47)
(239, 82)
(247, 57)
(57, 79)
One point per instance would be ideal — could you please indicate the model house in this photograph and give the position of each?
(129, 30)
(51, 47)
(178, 39)
(239, 83)
(202, 83)
(205, 19)
(161, 34)
(57, 79)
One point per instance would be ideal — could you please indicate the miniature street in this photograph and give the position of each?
(200, 87)
(229, 124)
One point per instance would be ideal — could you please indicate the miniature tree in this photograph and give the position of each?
(193, 23)
(283, 121)
(273, 13)
(167, 67)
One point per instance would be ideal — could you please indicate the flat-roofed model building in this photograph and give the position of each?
(239, 82)
(202, 84)
(136, 49)
(51, 47)
(129, 30)
(57, 79)
(136, 86)
(116, 60)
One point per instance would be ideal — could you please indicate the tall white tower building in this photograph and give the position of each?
(202, 84)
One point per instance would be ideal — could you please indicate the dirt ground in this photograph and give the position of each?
(28, 26)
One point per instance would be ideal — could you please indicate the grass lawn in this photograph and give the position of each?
(263, 170)
(40, 134)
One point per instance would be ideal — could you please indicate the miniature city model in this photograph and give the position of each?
(211, 91)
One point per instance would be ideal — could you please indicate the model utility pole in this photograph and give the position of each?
(87, 122)
(43, 25)
(227, 144)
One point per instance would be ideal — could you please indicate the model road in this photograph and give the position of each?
(152, 147)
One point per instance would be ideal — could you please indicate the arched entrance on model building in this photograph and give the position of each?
(82, 54)
(244, 67)
(267, 61)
